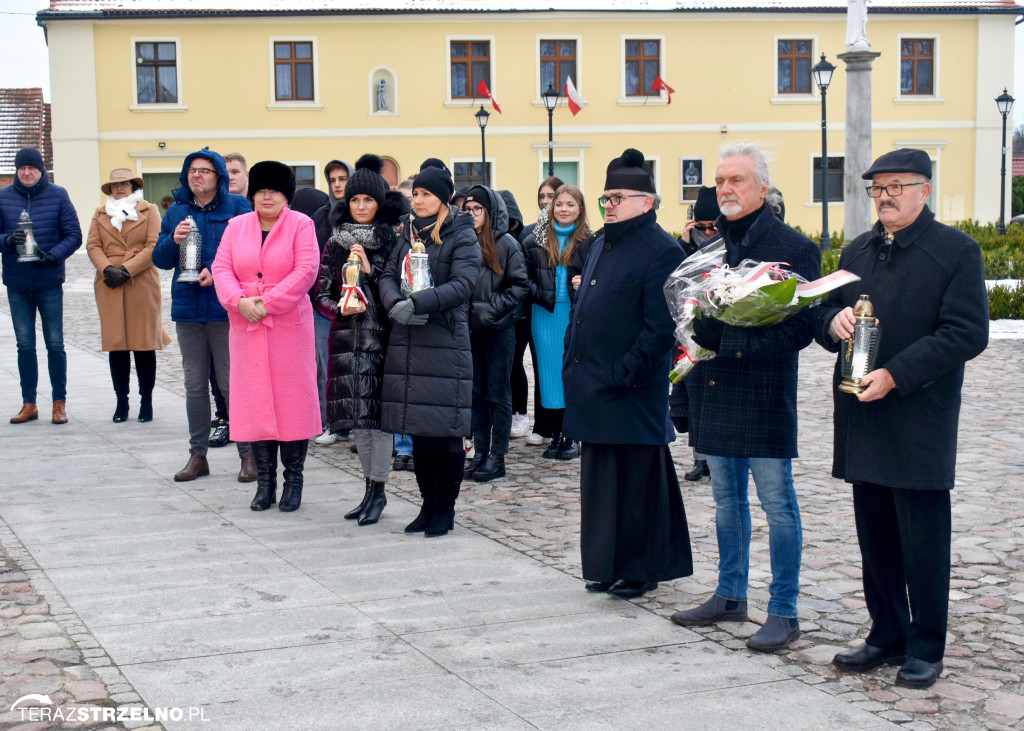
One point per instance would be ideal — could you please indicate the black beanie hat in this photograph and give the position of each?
(367, 180)
(437, 181)
(433, 162)
(706, 207)
(271, 175)
(627, 173)
(29, 157)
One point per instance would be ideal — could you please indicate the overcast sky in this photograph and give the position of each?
(23, 59)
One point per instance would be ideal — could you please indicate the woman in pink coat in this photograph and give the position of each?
(265, 265)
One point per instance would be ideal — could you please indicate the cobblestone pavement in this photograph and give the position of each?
(535, 510)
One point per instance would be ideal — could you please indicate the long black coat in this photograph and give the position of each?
(743, 402)
(428, 369)
(932, 306)
(620, 333)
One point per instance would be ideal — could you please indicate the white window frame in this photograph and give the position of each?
(315, 104)
(815, 96)
(373, 92)
(933, 148)
(640, 101)
(564, 152)
(135, 106)
(811, 203)
(935, 97)
(492, 164)
(318, 179)
(493, 86)
(563, 100)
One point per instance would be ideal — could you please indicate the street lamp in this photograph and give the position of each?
(1004, 102)
(550, 101)
(822, 72)
(481, 119)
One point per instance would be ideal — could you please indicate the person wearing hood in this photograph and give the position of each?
(38, 285)
(633, 531)
(428, 369)
(363, 224)
(500, 288)
(200, 321)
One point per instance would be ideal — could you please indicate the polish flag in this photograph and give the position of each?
(482, 90)
(659, 83)
(575, 102)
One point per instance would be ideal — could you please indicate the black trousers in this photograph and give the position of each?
(904, 540)
(219, 402)
(492, 398)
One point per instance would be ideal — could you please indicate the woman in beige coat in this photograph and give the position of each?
(122, 235)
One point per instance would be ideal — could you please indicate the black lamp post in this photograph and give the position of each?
(822, 72)
(481, 119)
(1004, 102)
(550, 100)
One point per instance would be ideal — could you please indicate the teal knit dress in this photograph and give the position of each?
(549, 332)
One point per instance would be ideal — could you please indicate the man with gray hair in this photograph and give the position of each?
(743, 409)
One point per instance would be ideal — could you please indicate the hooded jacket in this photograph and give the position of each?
(496, 297)
(55, 228)
(192, 302)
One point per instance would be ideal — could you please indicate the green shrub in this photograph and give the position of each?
(1017, 196)
(1006, 302)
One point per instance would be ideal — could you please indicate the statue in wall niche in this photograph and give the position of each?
(382, 95)
(857, 26)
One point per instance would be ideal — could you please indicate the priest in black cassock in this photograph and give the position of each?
(617, 359)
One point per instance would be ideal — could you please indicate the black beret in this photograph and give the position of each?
(271, 175)
(904, 160)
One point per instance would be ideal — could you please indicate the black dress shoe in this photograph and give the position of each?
(632, 589)
(917, 673)
(699, 470)
(599, 585)
(866, 657)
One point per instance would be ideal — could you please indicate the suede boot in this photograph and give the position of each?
(358, 509)
(426, 479)
(375, 506)
(120, 372)
(293, 457)
(265, 456)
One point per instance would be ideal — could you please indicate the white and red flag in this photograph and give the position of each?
(482, 90)
(575, 100)
(659, 83)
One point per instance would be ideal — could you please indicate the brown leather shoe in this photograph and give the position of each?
(197, 467)
(28, 412)
(59, 414)
(248, 471)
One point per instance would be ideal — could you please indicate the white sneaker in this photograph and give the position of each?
(326, 437)
(470, 449)
(536, 439)
(520, 425)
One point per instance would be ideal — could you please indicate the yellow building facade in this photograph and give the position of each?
(140, 84)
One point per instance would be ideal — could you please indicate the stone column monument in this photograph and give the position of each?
(858, 58)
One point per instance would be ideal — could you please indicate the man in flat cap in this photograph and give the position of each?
(896, 441)
(617, 351)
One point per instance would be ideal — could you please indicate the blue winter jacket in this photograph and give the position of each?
(191, 302)
(55, 228)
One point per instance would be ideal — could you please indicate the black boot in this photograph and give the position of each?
(491, 469)
(449, 482)
(121, 411)
(474, 464)
(358, 509)
(568, 449)
(424, 465)
(552, 451)
(293, 457)
(265, 456)
(120, 372)
(145, 367)
(146, 408)
(371, 513)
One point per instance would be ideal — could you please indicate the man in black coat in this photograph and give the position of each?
(743, 409)
(896, 441)
(617, 356)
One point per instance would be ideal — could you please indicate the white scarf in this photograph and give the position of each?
(123, 209)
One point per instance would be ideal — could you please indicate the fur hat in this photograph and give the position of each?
(627, 173)
(29, 157)
(367, 180)
(436, 180)
(121, 175)
(706, 207)
(271, 175)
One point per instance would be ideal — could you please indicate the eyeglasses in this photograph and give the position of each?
(705, 227)
(475, 210)
(893, 189)
(202, 172)
(617, 199)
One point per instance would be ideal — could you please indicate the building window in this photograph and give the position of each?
(794, 59)
(156, 72)
(471, 63)
(468, 174)
(305, 176)
(557, 63)
(917, 66)
(643, 64)
(835, 179)
(293, 71)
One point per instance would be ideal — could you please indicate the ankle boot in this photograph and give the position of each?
(552, 451)
(121, 411)
(378, 499)
(146, 408)
(491, 469)
(358, 509)
(293, 457)
(474, 464)
(265, 455)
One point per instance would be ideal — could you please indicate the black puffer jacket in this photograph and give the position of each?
(357, 343)
(496, 297)
(428, 369)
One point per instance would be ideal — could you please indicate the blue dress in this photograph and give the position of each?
(549, 332)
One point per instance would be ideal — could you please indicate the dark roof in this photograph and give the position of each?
(24, 122)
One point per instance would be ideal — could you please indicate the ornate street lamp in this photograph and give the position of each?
(822, 72)
(1004, 102)
(550, 101)
(481, 119)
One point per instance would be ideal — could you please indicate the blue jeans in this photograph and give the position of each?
(322, 331)
(403, 444)
(50, 303)
(774, 481)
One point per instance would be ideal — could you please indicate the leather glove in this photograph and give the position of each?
(115, 276)
(707, 332)
(16, 239)
(46, 259)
